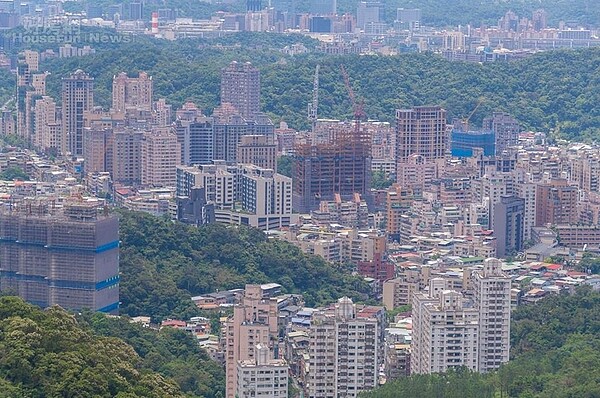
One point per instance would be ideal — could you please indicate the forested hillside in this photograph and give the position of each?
(555, 353)
(556, 90)
(48, 354)
(163, 264)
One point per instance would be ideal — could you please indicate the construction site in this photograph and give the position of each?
(337, 160)
(66, 255)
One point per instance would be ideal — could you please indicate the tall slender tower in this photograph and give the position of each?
(240, 86)
(77, 98)
(492, 299)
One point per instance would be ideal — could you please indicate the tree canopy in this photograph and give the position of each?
(163, 264)
(48, 354)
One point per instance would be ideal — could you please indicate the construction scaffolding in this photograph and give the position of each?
(65, 255)
(340, 166)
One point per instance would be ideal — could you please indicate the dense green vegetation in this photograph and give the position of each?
(172, 353)
(163, 264)
(555, 90)
(284, 165)
(555, 350)
(48, 354)
(379, 181)
(14, 173)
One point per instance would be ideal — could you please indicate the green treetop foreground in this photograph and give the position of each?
(48, 354)
(52, 353)
(555, 353)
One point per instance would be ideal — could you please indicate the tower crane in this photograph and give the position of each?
(465, 122)
(314, 105)
(357, 106)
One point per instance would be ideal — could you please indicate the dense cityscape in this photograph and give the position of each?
(201, 244)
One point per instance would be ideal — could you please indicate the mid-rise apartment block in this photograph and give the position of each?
(68, 256)
(241, 193)
(556, 203)
(262, 376)
(258, 150)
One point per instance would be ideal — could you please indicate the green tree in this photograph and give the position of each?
(14, 173)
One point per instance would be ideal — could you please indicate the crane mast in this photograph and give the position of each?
(314, 105)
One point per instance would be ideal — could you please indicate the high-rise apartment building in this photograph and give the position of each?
(47, 126)
(262, 376)
(556, 203)
(254, 322)
(527, 191)
(160, 158)
(98, 147)
(505, 128)
(136, 10)
(445, 331)
(31, 85)
(422, 131)
(162, 114)
(345, 350)
(539, 19)
(240, 87)
(257, 150)
(492, 295)
(196, 138)
(229, 128)
(323, 7)
(126, 155)
(452, 331)
(132, 92)
(60, 255)
(409, 18)
(509, 217)
(77, 98)
(27, 66)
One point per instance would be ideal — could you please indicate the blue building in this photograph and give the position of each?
(66, 256)
(463, 143)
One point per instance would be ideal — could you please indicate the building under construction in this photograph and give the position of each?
(66, 255)
(341, 165)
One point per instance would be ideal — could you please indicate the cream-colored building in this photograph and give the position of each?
(262, 376)
(254, 322)
(161, 154)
